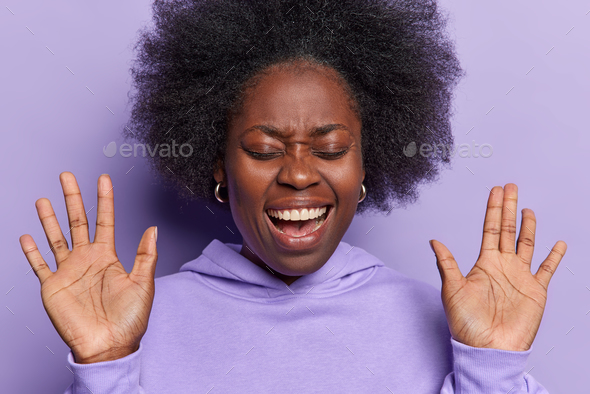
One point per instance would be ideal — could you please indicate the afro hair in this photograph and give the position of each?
(195, 63)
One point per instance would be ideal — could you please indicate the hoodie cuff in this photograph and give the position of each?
(108, 377)
(489, 371)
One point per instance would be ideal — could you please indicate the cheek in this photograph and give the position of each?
(244, 198)
(249, 182)
(345, 180)
(235, 193)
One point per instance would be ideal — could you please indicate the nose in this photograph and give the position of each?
(298, 169)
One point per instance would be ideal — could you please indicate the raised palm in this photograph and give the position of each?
(500, 303)
(99, 310)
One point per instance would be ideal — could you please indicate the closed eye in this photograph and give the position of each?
(332, 155)
(262, 156)
(323, 154)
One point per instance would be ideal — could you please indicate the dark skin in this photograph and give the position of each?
(312, 142)
(312, 138)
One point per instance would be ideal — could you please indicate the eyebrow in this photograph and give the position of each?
(315, 132)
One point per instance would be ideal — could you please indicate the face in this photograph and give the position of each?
(293, 152)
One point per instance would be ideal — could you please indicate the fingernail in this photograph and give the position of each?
(430, 243)
(156, 234)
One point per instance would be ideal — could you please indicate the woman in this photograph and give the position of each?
(297, 112)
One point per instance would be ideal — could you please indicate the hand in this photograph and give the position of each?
(500, 303)
(99, 310)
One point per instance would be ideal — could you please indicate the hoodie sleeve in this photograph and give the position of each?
(106, 377)
(489, 371)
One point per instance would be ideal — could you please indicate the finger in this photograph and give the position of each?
(57, 242)
(548, 267)
(447, 266)
(34, 258)
(105, 213)
(508, 229)
(493, 220)
(75, 208)
(147, 255)
(526, 238)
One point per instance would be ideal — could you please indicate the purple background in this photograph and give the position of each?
(51, 122)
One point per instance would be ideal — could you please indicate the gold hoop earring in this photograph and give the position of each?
(217, 195)
(363, 193)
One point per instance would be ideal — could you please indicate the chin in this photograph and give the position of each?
(301, 264)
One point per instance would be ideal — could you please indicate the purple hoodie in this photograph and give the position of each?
(225, 325)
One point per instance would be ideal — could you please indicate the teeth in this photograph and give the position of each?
(318, 221)
(304, 214)
(312, 213)
(297, 214)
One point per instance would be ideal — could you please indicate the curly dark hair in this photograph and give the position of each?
(197, 61)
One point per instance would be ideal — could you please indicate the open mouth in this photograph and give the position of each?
(298, 222)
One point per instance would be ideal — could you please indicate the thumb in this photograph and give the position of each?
(147, 254)
(447, 266)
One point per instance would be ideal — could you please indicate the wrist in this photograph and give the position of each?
(513, 346)
(107, 355)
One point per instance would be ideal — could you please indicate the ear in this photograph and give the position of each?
(219, 173)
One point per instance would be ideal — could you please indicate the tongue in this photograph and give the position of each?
(297, 228)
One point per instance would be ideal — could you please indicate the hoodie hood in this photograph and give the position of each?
(222, 267)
